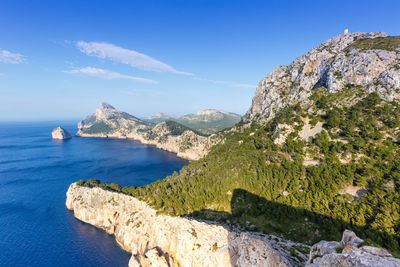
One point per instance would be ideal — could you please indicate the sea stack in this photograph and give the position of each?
(60, 133)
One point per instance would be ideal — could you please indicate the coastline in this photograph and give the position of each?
(190, 154)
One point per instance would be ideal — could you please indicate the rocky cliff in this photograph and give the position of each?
(370, 60)
(161, 240)
(168, 135)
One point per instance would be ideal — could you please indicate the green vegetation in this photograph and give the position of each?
(209, 126)
(205, 124)
(98, 128)
(176, 128)
(390, 43)
(251, 181)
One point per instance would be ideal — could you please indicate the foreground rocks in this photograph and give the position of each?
(348, 252)
(60, 133)
(161, 240)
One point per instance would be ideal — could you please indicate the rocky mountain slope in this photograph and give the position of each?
(370, 60)
(108, 122)
(207, 121)
(317, 153)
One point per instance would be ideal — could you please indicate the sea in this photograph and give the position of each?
(36, 229)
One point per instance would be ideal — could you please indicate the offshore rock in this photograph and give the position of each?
(60, 133)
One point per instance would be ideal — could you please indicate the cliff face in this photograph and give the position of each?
(370, 60)
(161, 240)
(167, 135)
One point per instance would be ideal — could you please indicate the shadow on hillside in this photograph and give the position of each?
(254, 213)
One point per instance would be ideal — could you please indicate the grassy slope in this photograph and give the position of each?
(243, 179)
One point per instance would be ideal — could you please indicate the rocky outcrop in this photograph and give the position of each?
(162, 240)
(348, 252)
(60, 133)
(107, 122)
(352, 58)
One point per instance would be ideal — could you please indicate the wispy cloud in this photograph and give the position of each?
(232, 84)
(140, 92)
(108, 75)
(11, 58)
(125, 56)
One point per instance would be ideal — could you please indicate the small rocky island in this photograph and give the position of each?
(60, 133)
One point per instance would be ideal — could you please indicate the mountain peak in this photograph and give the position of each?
(105, 105)
(367, 60)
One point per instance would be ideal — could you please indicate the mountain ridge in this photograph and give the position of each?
(206, 121)
(108, 122)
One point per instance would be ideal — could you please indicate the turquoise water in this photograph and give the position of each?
(35, 171)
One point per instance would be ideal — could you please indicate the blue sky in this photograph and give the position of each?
(60, 59)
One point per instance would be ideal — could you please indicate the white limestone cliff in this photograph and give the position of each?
(162, 240)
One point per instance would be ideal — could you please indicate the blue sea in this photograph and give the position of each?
(35, 171)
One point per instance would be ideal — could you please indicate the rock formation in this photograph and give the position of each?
(167, 135)
(60, 133)
(162, 240)
(370, 60)
(349, 252)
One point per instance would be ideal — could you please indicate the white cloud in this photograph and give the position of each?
(125, 56)
(232, 84)
(108, 75)
(11, 58)
(141, 92)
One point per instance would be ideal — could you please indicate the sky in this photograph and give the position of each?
(61, 59)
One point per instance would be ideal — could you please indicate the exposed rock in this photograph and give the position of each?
(282, 132)
(156, 239)
(60, 133)
(347, 254)
(349, 238)
(308, 131)
(107, 122)
(335, 63)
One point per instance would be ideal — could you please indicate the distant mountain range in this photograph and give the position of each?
(205, 121)
(108, 122)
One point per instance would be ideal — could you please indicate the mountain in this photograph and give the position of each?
(207, 121)
(317, 153)
(369, 60)
(159, 117)
(108, 122)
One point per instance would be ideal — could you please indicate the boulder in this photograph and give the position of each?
(347, 253)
